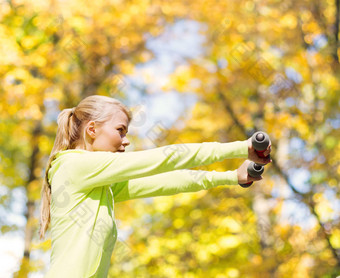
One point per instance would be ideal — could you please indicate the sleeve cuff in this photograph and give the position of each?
(237, 149)
(222, 178)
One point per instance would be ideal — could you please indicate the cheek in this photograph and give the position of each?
(117, 138)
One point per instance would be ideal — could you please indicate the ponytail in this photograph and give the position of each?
(62, 142)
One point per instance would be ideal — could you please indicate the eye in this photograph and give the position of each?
(121, 130)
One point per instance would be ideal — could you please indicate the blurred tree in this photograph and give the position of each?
(267, 65)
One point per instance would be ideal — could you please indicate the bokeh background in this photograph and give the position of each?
(191, 71)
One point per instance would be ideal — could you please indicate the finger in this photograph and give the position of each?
(267, 151)
(255, 179)
(264, 161)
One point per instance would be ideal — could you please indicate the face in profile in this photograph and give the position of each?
(110, 136)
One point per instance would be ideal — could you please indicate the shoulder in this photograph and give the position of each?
(78, 162)
(78, 153)
(78, 159)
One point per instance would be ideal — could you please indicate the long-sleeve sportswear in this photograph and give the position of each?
(85, 185)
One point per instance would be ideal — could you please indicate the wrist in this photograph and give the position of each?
(249, 143)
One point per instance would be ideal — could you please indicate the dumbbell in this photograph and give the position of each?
(260, 141)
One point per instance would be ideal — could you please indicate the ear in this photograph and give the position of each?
(90, 129)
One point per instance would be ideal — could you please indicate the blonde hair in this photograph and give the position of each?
(70, 124)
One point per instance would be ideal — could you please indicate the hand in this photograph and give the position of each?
(242, 174)
(253, 156)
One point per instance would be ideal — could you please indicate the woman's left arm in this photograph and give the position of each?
(170, 183)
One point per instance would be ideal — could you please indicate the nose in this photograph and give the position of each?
(125, 142)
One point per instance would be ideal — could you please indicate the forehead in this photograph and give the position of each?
(119, 117)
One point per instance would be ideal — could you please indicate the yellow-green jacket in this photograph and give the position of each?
(85, 185)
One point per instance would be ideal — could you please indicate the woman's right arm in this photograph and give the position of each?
(170, 183)
(93, 169)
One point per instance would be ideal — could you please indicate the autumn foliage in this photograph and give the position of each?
(251, 65)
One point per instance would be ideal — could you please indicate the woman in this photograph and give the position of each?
(88, 171)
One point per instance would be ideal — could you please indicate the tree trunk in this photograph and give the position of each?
(30, 205)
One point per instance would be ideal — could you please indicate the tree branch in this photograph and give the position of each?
(336, 30)
(306, 198)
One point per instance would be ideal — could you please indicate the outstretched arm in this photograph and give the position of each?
(171, 183)
(94, 169)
